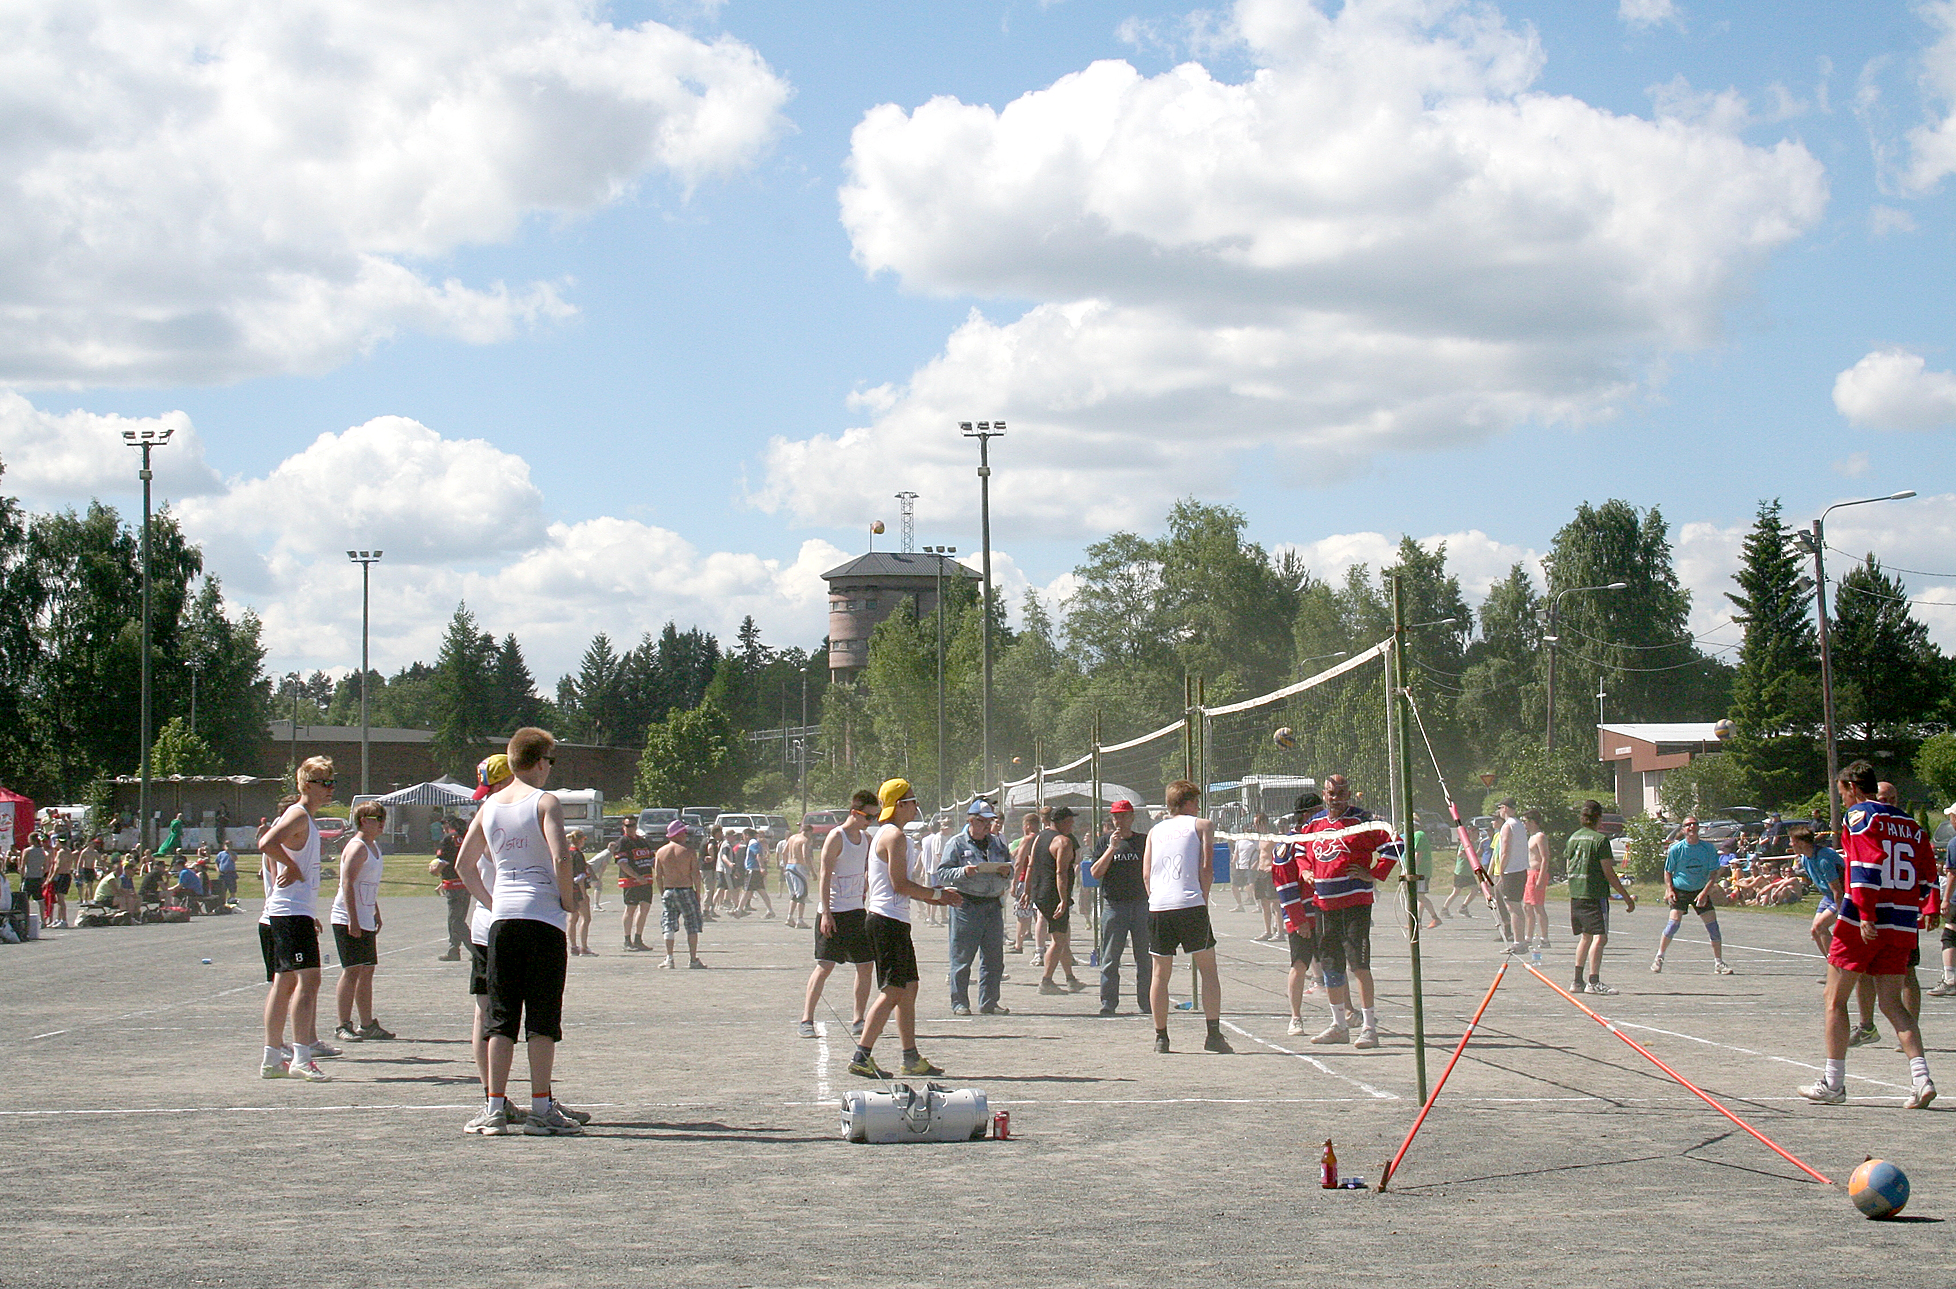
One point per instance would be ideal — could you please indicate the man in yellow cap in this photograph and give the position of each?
(887, 892)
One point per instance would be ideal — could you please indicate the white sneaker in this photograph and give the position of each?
(308, 1070)
(665, 964)
(321, 1047)
(1657, 964)
(276, 1070)
(1367, 1037)
(552, 1123)
(488, 1122)
(1333, 1034)
(1720, 969)
(1824, 1093)
(1296, 1025)
(1598, 987)
(1921, 1096)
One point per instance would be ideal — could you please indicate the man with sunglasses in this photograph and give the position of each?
(1346, 851)
(887, 892)
(839, 933)
(288, 931)
(1689, 868)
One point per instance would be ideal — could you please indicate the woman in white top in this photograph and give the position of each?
(288, 930)
(356, 924)
(521, 829)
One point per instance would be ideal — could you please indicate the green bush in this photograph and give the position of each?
(1646, 850)
(1935, 765)
(1709, 783)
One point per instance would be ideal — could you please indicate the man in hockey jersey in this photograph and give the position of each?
(1346, 851)
(1300, 916)
(1891, 868)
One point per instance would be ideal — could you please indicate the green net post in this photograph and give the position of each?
(1409, 873)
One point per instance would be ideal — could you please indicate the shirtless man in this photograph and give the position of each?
(677, 870)
(60, 880)
(794, 871)
(839, 932)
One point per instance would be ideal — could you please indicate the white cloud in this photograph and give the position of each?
(56, 459)
(1478, 560)
(1383, 239)
(1883, 220)
(1642, 15)
(1851, 466)
(1893, 389)
(218, 189)
(1932, 145)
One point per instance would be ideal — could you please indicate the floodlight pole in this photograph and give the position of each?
(144, 440)
(1549, 639)
(985, 432)
(366, 561)
(940, 552)
(1408, 823)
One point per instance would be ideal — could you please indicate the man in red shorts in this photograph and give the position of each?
(1891, 868)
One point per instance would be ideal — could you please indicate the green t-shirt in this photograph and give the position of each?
(1422, 854)
(1587, 858)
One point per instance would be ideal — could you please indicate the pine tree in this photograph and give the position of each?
(461, 694)
(1887, 675)
(512, 696)
(1776, 691)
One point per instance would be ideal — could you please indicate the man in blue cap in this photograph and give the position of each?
(976, 864)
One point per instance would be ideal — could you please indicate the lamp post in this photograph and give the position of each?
(940, 552)
(1815, 543)
(985, 432)
(1600, 696)
(1549, 638)
(366, 560)
(144, 440)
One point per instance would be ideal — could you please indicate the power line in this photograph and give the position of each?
(1894, 568)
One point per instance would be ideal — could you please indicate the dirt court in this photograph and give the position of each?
(141, 1147)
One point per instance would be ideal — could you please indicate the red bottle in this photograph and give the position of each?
(1329, 1178)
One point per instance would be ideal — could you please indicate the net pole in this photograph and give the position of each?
(1188, 772)
(1094, 771)
(1409, 876)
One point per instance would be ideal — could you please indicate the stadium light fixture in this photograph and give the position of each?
(145, 440)
(985, 432)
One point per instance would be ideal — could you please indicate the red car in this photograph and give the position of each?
(824, 820)
(331, 830)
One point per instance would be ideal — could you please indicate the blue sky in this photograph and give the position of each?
(699, 309)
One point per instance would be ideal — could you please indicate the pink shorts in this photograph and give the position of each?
(1536, 892)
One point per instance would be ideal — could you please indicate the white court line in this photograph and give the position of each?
(1366, 1088)
(1746, 1051)
(823, 1093)
(1751, 948)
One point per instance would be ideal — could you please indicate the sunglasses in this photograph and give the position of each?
(324, 783)
(551, 759)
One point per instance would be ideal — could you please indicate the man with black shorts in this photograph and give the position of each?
(887, 891)
(443, 870)
(677, 869)
(1511, 862)
(1176, 870)
(1591, 866)
(635, 878)
(1348, 851)
(60, 881)
(839, 934)
(1049, 881)
(1289, 871)
(1690, 867)
(288, 930)
(1124, 910)
(356, 925)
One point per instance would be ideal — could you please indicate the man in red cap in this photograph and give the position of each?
(1124, 910)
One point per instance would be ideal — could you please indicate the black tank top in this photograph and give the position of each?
(1042, 879)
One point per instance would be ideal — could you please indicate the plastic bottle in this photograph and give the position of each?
(1329, 1175)
(1535, 954)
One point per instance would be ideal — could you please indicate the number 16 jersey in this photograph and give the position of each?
(1891, 870)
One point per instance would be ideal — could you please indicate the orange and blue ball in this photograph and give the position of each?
(1878, 1188)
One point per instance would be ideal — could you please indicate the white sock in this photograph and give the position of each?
(1836, 1075)
(1918, 1066)
(275, 1056)
(1368, 1018)
(1338, 1015)
(540, 1105)
(497, 1103)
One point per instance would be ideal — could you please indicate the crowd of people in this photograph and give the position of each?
(69, 884)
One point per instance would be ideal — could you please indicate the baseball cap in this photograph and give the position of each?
(490, 772)
(1121, 807)
(1061, 812)
(892, 794)
(981, 809)
(1950, 809)
(676, 829)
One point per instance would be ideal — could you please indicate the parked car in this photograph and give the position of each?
(824, 820)
(1610, 825)
(728, 822)
(704, 816)
(614, 828)
(652, 820)
(331, 830)
(1772, 838)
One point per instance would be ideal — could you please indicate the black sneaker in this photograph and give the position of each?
(1217, 1043)
(1161, 1042)
(1110, 1011)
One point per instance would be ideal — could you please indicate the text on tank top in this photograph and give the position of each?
(1175, 877)
(366, 892)
(879, 892)
(846, 878)
(301, 899)
(526, 875)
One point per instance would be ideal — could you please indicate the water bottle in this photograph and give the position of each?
(1535, 954)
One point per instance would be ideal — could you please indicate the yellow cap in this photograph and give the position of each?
(893, 793)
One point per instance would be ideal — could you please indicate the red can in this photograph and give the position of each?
(1002, 1125)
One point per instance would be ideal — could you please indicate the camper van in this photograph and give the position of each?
(583, 808)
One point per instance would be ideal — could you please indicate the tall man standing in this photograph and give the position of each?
(1049, 880)
(1176, 870)
(1511, 854)
(839, 933)
(1689, 867)
(1348, 851)
(288, 929)
(887, 892)
(636, 879)
(976, 865)
(1124, 909)
(677, 870)
(1592, 876)
(1891, 870)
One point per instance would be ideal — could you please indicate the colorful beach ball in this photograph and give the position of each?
(1878, 1188)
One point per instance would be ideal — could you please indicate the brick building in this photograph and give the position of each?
(867, 590)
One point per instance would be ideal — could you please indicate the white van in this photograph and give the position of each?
(583, 809)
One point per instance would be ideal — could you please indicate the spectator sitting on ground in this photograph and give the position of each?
(151, 891)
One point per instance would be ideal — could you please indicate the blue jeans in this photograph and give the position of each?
(977, 933)
(1124, 920)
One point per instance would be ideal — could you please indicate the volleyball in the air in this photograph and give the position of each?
(1878, 1188)
(1285, 736)
(1724, 730)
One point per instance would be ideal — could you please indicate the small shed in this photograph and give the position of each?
(1641, 754)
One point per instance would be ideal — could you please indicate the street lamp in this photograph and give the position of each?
(366, 560)
(144, 440)
(985, 432)
(1815, 543)
(940, 552)
(1549, 638)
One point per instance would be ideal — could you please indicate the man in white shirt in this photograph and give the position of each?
(1176, 869)
(1511, 852)
(888, 889)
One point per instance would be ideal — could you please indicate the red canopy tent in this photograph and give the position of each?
(22, 811)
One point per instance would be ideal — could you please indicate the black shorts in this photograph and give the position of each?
(1949, 935)
(62, 883)
(1265, 888)
(1173, 931)
(1464, 881)
(1303, 948)
(361, 952)
(896, 956)
(478, 969)
(289, 944)
(1514, 886)
(1683, 901)
(639, 895)
(756, 882)
(1345, 938)
(30, 887)
(850, 943)
(1056, 922)
(1589, 917)
(528, 961)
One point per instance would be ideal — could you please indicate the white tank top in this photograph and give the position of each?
(846, 879)
(480, 918)
(879, 892)
(526, 876)
(366, 893)
(1175, 878)
(301, 899)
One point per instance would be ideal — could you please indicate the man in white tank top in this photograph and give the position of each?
(356, 925)
(839, 933)
(1177, 868)
(288, 930)
(887, 893)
